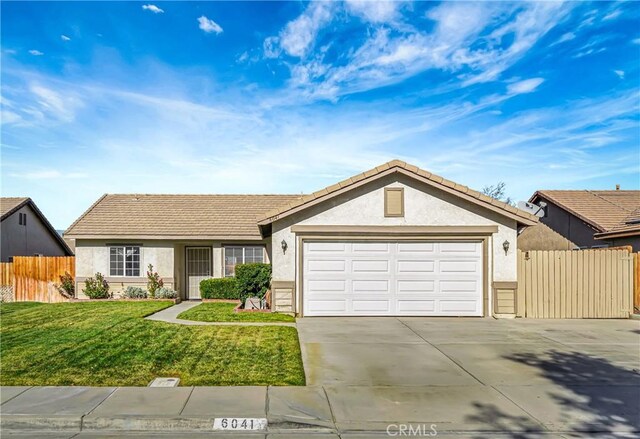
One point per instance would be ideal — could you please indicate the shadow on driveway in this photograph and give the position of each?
(587, 394)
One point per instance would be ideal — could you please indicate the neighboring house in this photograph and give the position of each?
(395, 240)
(542, 237)
(592, 219)
(26, 232)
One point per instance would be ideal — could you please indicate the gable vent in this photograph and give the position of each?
(394, 202)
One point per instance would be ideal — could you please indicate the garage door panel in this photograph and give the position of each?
(463, 266)
(458, 306)
(416, 266)
(325, 247)
(392, 278)
(416, 306)
(373, 306)
(374, 286)
(315, 265)
(458, 286)
(327, 306)
(370, 247)
(415, 286)
(416, 247)
(370, 266)
(472, 248)
(327, 285)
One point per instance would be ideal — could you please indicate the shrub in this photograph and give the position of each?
(67, 285)
(224, 288)
(134, 293)
(166, 293)
(97, 288)
(253, 279)
(154, 281)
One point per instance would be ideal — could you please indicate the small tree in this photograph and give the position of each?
(67, 286)
(154, 281)
(97, 288)
(498, 192)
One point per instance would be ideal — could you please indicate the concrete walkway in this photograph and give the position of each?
(170, 315)
(323, 411)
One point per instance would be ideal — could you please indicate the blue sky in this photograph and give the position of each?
(289, 97)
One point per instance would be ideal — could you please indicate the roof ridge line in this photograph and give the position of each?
(608, 201)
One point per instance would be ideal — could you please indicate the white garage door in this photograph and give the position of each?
(343, 278)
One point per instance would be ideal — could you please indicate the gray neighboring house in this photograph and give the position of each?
(585, 219)
(395, 240)
(25, 231)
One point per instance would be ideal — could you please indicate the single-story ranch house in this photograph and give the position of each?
(395, 240)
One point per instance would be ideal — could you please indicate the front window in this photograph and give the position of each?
(124, 261)
(240, 255)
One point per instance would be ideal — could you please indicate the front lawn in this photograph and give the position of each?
(223, 312)
(110, 344)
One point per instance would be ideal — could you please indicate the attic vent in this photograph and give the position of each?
(394, 202)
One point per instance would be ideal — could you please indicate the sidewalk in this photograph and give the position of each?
(170, 315)
(319, 412)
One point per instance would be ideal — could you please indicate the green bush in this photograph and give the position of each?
(97, 288)
(253, 279)
(166, 293)
(134, 293)
(224, 288)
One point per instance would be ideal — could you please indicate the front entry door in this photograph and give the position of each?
(198, 268)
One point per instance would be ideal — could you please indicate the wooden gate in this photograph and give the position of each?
(32, 278)
(575, 284)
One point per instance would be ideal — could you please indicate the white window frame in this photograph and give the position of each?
(124, 260)
(243, 247)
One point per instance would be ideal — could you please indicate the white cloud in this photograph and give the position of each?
(153, 8)
(635, 41)
(613, 14)
(619, 73)
(299, 35)
(389, 55)
(48, 174)
(9, 117)
(59, 106)
(35, 52)
(375, 11)
(208, 25)
(525, 86)
(564, 38)
(65, 38)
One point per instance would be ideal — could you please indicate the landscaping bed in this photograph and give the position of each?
(226, 312)
(108, 343)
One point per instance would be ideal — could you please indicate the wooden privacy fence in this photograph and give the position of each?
(575, 284)
(32, 278)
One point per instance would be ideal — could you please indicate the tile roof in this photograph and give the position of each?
(176, 216)
(604, 210)
(411, 170)
(8, 204)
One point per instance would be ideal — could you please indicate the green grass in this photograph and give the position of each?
(223, 312)
(110, 344)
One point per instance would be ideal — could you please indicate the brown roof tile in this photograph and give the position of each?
(604, 210)
(197, 216)
(8, 204)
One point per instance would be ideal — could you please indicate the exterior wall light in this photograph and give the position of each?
(505, 246)
(284, 246)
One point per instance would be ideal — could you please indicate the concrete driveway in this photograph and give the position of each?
(506, 375)
(416, 351)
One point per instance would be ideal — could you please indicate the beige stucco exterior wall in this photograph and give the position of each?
(167, 257)
(424, 206)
